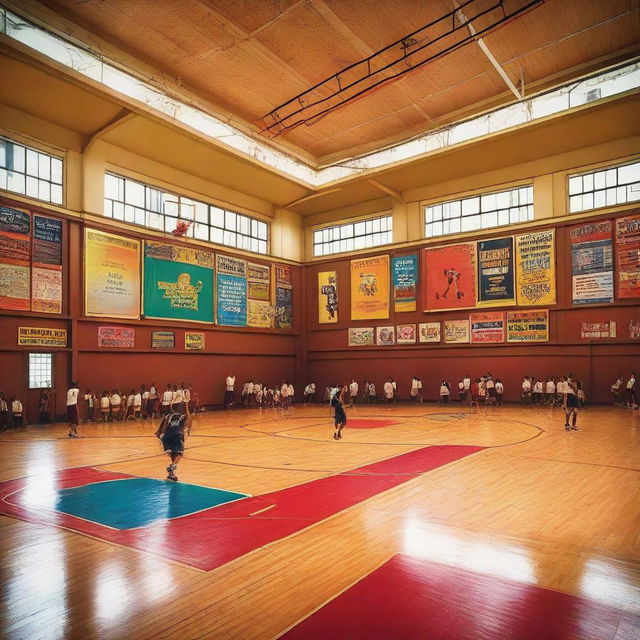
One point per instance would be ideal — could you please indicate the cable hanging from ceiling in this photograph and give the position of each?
(467, 22)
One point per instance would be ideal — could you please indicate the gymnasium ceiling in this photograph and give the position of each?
(242, 58)
(248, 57)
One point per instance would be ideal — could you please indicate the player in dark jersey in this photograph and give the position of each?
(337, 402)
(172, 432)
(571, 405)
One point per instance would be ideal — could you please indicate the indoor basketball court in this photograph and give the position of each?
(319, 319)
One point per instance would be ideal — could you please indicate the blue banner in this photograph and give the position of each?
(405, 277)
(231, 300)
(496, 272)
(284, 308)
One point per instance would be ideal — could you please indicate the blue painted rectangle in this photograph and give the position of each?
(231, 292)
(137, 502)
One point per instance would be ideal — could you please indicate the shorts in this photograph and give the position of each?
(341, 416)
(572, 401)
(72, 414)
(492, 392)
(173, 444)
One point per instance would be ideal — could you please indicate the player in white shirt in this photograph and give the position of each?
(388, 391)
(499, 392)
(284, 394)
(73, 416)
(167, 399)
(186, 399)
(466, 383)
(550, 392)
(526, 390)
(632, 400)
(372, 392)
(291, 394)
(177, 400)
(353, 391)
(537, 392)
(16, 412)
(229, 387)
(114, 401)
(137, 405)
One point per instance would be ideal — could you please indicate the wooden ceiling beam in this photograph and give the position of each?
(487, 52)
(388, 190)
(119, 119)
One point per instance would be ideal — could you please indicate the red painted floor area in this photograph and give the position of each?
(215, 536)
(368, 424)
(408, 598)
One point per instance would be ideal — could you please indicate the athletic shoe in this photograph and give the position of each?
(172, 477)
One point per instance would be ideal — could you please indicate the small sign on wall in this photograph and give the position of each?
(598, 330)
(121, 337)
(163, 340)
(42, 337)
(194, 341)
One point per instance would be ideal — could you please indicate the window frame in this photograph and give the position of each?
(476, 206)
(594, 173)
(31, 176)
(161, 209)
(358, 234)
(51, 355)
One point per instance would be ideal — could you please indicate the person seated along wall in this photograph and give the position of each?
(445, 392)
(105, 406)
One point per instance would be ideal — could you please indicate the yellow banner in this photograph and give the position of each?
(327, 297)
(111, 275)
(259, 314)
(194, 341)
(370, 288)
(42, 337)
(536, 268)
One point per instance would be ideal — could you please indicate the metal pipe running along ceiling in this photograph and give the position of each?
(430, 42)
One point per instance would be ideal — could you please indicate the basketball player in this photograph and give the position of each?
(172, 432)
(571, 405)
(73, 416)
(337, 401)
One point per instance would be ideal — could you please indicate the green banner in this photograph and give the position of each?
(178, 283)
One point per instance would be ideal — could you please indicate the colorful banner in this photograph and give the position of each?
(47, 240)
(163, 340)
(327, 297)
(487, 328)
(449, 277)
(370, 288)
(283, 274)
(178, 282)
(231, 292)
(406, 333)
(284, 307)
(456, 331)
(405, 277)
(634, 329)
(46, 290)
(194, 341)
(496, 280)
(15, 287)
(628, 256)
(429, 332)
(15, 257)
(231, 266)
(536, 268)
(111, 275)
(258, 282)
(598, 330)
(528, 326)
(260, 314)
(592, 263)
(121, 337)
(41, 337)
(361, 336)
(385, 336)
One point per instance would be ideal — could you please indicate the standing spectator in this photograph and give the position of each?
(537, 392)
(445, 392)
(90, 400)
(550, 392)
(43, 407)
(137, 406)
(152, 403)
(284, 393)
(631, 391)
(499, 392)
(570, 404)
(490, 386)
(167, 399)
(372, 393)
(395, 390)
(388, 391)
(178, 399)
(4, 413)
(461, 391)
(309, 392)
(353, 391)
(129, 411)
(104, 406)
(290, 394)
(123, 404)
(186, 398)
(419, 394)
(114, 401)
(526, 390)
(466, 381)
(228, 394)
(16, 412)
(73, 416)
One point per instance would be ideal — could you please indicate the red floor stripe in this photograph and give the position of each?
(216, 536)
(408, 598)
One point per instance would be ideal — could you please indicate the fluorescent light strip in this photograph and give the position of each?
(609, 83)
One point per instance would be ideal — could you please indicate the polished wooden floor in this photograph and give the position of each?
(539, 505)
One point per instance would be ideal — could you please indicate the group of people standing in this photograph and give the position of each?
(624, 393)
(258, 394)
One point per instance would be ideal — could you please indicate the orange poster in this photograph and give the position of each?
(370, 288)
(449, 277)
